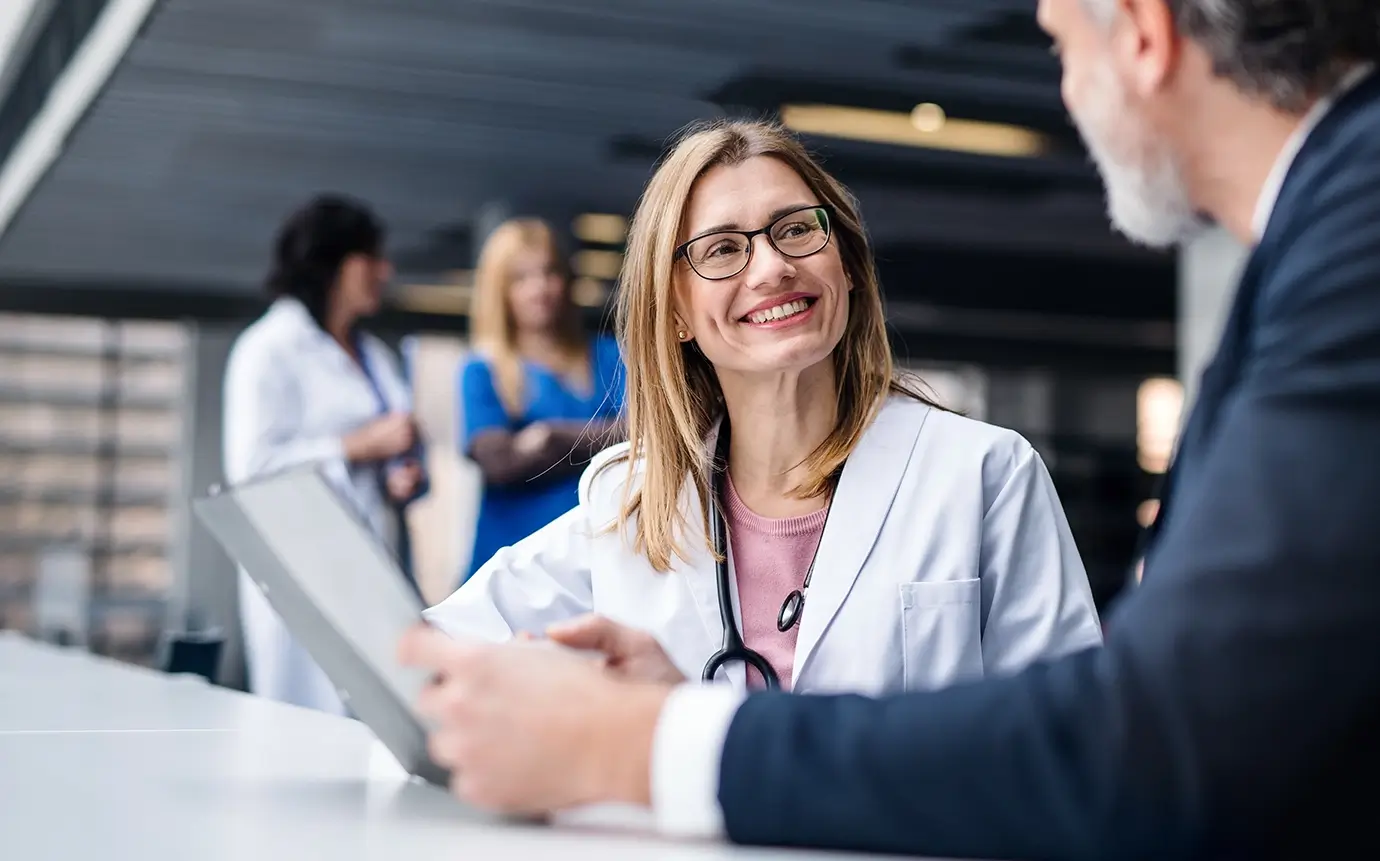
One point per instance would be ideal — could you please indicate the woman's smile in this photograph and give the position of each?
(781, 312)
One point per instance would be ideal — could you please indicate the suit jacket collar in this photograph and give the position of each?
(1319, 141)
(1308, 166)
(1269, 195)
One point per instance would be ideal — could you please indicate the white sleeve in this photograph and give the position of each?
(262, 422)
(540, 580)
(1036, 591)
(686, 749)
(545, 578)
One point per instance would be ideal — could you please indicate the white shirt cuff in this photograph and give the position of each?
(688, 744)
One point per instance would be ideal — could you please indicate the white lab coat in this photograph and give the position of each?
(291, 395)
(946, 557)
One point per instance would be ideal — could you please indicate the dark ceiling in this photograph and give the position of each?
(227, 113)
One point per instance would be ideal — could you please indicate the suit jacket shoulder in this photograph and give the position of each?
(1328, 194)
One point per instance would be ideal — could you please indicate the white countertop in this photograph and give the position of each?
(103, 760)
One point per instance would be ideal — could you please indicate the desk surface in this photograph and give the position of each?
(99, 759)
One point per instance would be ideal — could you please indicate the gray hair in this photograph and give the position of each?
(1286, 52)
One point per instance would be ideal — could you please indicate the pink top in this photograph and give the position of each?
(770, 558)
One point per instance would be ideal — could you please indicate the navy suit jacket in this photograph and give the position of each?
(1235, 708)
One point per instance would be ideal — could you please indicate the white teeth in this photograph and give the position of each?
(778, 312)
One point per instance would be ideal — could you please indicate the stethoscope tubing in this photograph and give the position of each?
(734, 649)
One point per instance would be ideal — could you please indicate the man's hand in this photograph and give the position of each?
(530, 728)
(630, 654)
(404, 480)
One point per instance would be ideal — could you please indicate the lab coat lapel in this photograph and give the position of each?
(701, 574)
(861, 503)
(319, 343)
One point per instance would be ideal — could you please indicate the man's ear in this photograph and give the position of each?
(1146, 44)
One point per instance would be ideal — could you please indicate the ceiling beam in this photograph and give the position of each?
(20, 23)
(81, 44)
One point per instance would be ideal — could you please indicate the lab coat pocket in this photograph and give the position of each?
(941, 632)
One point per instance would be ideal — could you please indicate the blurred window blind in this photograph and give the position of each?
(90, 436)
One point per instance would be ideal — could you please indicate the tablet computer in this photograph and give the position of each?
(340, 592)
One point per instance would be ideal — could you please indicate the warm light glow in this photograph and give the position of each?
(433, 298)
(1159, 403)
(892, 127)
(1146, 512)
(600, 229)
(598, 264)
(588, 292)
(928, 117)
(456, 295)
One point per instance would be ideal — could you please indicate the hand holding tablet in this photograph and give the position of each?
(501, 714)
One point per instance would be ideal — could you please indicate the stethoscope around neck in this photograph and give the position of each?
(792, 608)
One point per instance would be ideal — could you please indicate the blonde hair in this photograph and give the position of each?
(492, 325)
(673, 394)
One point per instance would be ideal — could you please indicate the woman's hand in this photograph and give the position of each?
(532, 438)
(403, 481)
(629, 654)
(382, 438)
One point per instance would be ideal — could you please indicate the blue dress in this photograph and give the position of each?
(509, 514)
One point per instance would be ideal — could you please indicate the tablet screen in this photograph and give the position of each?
(341, 567)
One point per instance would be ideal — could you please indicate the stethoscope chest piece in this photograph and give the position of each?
(790, 611)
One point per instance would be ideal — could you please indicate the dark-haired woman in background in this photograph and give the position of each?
(305, 384)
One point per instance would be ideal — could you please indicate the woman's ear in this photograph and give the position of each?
(679, 327)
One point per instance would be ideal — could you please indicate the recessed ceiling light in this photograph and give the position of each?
(894, 127)
(928, 117)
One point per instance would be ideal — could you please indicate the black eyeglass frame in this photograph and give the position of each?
(749, 235)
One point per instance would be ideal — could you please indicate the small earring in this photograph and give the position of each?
(681, 334)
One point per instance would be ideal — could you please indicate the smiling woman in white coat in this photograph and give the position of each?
(875, 542)
(305, 384)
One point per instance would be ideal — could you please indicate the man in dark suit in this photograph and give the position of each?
(1235, 708)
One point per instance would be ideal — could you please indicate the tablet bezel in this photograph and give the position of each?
(368, 696)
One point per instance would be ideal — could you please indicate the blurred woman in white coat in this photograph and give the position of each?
(305, 384)
(786, 500)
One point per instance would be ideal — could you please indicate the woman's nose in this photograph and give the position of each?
(767, 267)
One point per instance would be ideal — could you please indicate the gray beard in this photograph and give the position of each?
(1146, 197)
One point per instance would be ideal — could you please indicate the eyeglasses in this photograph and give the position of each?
(798, 233)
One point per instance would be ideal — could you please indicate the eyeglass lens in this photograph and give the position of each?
(796, 234)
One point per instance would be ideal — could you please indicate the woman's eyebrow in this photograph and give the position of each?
(775, 214)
